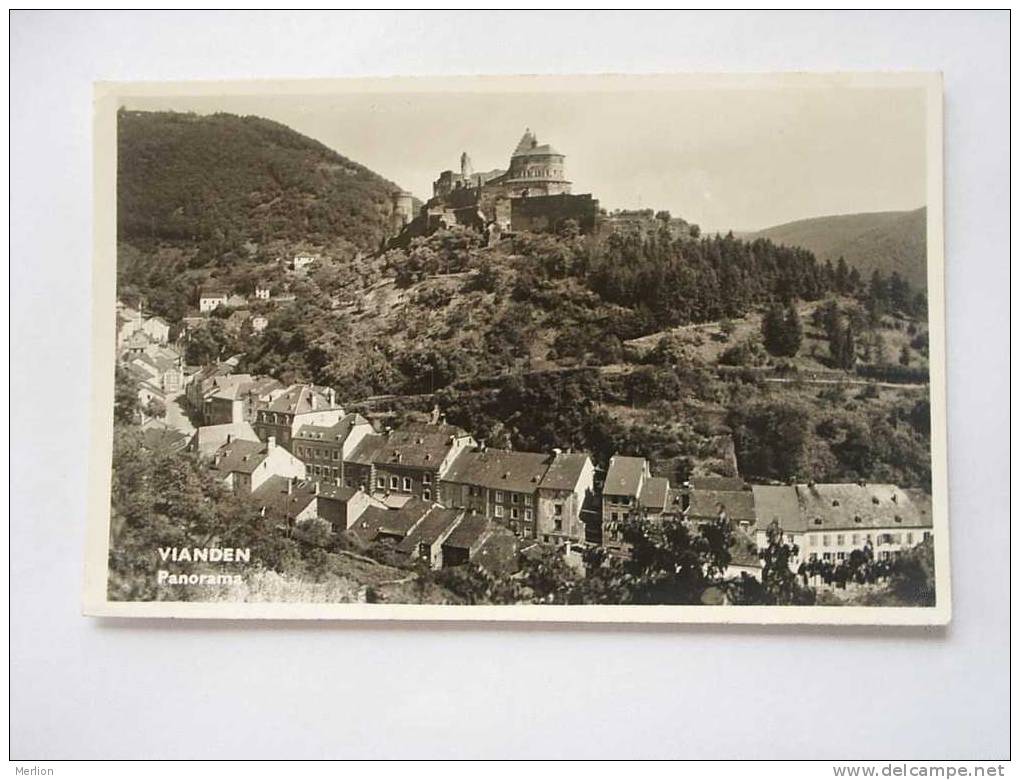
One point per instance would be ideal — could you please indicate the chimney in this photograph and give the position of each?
(290, 486)
(332, 397)
(230, 438)
(314, 399)
(271, 442)
(316, 488)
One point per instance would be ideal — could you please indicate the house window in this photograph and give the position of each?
(527, 500)
(336, 454)
(499, 496)
(840, 539)
(910, 538)
(826, 556)
(308, 471)
(515, 498)
(394, 483)
(426, 494)
(615, 517)
(789, 538)
(558, 523)
(427, 478)
(857, 518)
(856, 539)
(380, 482)
(812, 540)
(927, 535)
(825, 541)
(840, 556)
(818, 521)
(527, 514)
(498, 511)
(318, 471)
(349, 482)
(407, 484)
(514, 512)
(558, 510)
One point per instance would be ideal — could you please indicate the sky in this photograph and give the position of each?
(724, 158)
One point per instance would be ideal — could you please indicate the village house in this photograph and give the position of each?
(829, 521)
(411, 460)
(259, 323)
(209, 438)
(262, 292)
(133, 324)
(325, 448)
(425, 540)
(292, 501)
(535, 495)
(296, 406)
(244, 465)
(210, 299)
(621, 493)
(706, 504)
(234, 397)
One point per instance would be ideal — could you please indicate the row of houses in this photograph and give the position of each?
(825, 522)
(302, 433)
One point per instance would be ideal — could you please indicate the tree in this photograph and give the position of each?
(125, 396)
(155, 408)
(778, 579)
(905, 356)
(782, 332)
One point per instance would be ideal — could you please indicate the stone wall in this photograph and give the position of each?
(547, 213)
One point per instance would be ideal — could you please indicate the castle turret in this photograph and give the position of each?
(403, 209)
(465, 166)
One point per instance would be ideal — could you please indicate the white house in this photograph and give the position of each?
(211, 299)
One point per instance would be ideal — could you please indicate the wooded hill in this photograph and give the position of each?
(888, 241)
(223, 180)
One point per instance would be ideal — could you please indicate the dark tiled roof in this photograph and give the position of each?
(777, 502)
(849, 506)
(397, 522)
(298, 400)
(624, 476)
(420, 447)
(431, 529)
(239, 456)
(564, 471)
(367, 526)
(518, 472)
(274, 496)
(738, 504)
(469, 532)
(653, 493)
(364, 454)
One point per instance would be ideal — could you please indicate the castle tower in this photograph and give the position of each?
(536, 169)
(465, 166)
(403, 209)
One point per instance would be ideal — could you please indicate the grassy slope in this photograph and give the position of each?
(889, 240)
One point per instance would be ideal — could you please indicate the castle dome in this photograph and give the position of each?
(528, 147)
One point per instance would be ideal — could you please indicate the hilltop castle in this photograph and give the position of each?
(533, 194)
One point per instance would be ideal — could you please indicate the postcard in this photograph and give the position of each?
(630, 349)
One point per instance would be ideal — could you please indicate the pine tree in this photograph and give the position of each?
(793, 331)
(773, 330)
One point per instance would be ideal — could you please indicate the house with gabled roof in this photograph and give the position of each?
(325, 448)
(410, 460)
(245, 465)
(829, 521)
(293, 407)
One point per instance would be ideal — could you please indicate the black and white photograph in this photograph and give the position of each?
(515, 385)
(593, 342)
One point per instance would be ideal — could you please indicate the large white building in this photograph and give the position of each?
(829, 521)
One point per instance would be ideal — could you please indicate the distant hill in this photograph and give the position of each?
(230, 179)
(887, 240)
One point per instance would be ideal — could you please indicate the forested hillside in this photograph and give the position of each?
(887, 241)
(218, 181)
